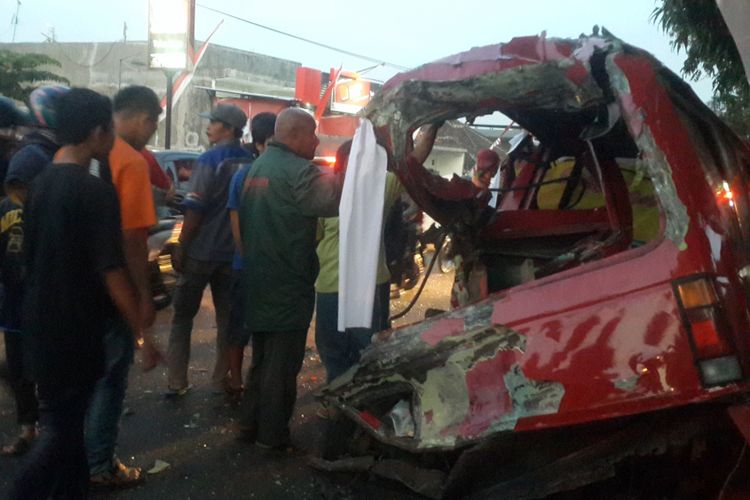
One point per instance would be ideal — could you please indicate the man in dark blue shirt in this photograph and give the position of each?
(206, 248)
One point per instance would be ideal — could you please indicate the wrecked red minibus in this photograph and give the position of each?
(616, 264)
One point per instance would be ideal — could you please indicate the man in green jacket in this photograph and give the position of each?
(283, 195)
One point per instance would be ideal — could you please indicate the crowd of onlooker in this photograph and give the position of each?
(260, 228)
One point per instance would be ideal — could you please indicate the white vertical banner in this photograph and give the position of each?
(360, 227)
(168, 27)
(736, 14)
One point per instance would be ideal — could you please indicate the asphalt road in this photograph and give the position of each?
(195, 435)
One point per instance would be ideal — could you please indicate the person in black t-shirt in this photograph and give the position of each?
(76, 281)
(34, 153)
(11, 277)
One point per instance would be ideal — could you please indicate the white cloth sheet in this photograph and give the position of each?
(360, 225)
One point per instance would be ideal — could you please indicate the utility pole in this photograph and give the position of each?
(15, 20)
(168, 120)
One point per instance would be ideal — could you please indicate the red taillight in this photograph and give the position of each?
(699, 305)
(707, 339)
(707, 329)
(725, 194)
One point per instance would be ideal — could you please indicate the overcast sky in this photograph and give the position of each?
(402, 32)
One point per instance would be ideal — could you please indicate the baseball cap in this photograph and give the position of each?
(25, 165)
(487, 160)
(229, 114)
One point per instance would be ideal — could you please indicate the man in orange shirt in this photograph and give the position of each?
(136, 115)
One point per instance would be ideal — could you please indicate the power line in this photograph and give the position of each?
(307, 40)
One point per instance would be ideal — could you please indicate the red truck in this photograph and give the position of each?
(617, 262)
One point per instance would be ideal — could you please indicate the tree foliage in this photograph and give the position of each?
(20, 72)
(735, 111)
(698, 28)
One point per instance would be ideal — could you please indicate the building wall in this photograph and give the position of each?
(446, 161)
(104, 67)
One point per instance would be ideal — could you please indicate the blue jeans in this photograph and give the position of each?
(103, 418)
(340, 351)
(56, 465)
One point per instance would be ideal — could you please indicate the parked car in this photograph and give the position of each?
(614, 317)
(163, 238)
(178, 165)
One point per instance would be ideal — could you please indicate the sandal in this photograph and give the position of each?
(176, 394)
(17, 447)
(120, 476)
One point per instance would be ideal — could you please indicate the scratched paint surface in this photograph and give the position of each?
(597, 341)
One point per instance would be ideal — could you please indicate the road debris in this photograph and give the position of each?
(159, 467)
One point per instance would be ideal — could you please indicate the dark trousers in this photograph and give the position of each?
(271, 387)
(187, 300)
(56, 466)
(239, 334)
(27, 407)
(339, 351)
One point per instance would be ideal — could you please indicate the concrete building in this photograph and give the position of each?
(255, 82)
(105, 67)
(455, 149)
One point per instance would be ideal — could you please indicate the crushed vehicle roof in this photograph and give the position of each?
(560, 90)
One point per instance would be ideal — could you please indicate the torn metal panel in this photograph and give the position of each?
(533, 80)
(541, 87)
(460, 373)
(532, 397)
(652, 158)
